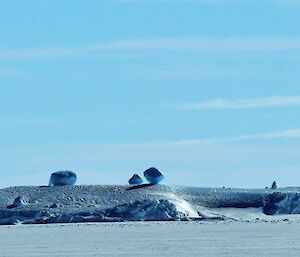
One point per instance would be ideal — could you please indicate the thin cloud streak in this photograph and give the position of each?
(211, 2)
(193, 44)
(175, 144)
(178, 1)
(282, 134)
(253, 103)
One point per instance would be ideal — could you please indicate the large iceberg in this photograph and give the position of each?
(153, 175)
(135, 180)
(63, 178)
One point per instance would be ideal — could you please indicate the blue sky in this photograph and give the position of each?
(206, 90)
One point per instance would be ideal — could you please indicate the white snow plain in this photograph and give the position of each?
(152, 239)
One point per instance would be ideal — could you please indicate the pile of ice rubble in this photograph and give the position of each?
(66, 204)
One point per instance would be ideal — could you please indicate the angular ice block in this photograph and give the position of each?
(63, 178)
(153, 175)
(135, 180)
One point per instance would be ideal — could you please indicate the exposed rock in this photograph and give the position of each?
(153, 175)
(280, 203)
(63, 178)
(135, 180)
(272, 201)
(19, 201)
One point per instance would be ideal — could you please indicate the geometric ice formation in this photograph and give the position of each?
(153, 175)
(19, 201)
(135, 180)
(63, 178)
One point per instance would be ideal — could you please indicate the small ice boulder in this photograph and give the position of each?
(19, 201)
(153, 175)
(135, 180)
(274, 185)
(63, 178)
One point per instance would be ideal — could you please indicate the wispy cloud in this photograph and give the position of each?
(179, 1)
(199, 44)
(283, 3)
(273, 135)
(253, 103)
(281, 134)
(212, 2)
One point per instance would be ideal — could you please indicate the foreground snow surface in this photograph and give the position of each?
(184, 239)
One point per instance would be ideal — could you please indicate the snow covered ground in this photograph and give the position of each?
(197, 221)
(74, 204)
(145, 239)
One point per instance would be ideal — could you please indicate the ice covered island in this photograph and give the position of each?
(64, 202)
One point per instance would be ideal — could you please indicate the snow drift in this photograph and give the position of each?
(147, 210)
